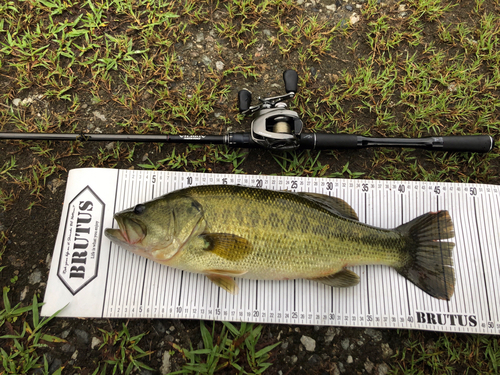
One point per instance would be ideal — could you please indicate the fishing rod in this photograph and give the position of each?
(277, 128)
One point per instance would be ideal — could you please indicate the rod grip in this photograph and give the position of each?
(325, 141)
(468, 143)
(291, 80)
(244, 100)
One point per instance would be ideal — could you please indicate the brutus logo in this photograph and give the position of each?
(446, 319)
(80, 249)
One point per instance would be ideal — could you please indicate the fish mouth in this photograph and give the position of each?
(130, 232)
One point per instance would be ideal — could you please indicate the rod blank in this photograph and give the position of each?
(318, 141)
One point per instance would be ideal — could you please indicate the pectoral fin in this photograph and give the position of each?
(341, 279)
(225, 282)
(227, 246)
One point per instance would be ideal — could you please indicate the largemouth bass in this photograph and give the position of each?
(226, 231)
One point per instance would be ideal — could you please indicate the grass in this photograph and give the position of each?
(123, 352)
(447, 354)
(232, 349)
(22, 356)
(150, 66)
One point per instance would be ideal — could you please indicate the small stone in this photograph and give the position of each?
(403, 14)
(354, 18)
(55, 184)
(219, 65)
(165, 366)
(284, 345)
(159, 327)
(349, 8)
(65, 333)
(82, 336)
(75, 355)
(99, 115)
(401, 8)
(315, 359)
(68, 348)
(335, 369)
(383, 369)
(300, 2)
(35, 277)
(206, 60)
(369, 366)
(297, 329)
(294, 359)
(16, 102)
(171, 329)
(331, 8)
(309, 343)
(374, 334)
(345, 344)
(24, 293)
(110, 146)
(349, 359)
(452, 87)
(55, 365)
(95, 343)
(200, 37)
(169, 338)
(341, 367)
(84, 106)
(386, 351)
(331, 333)
(145, 157)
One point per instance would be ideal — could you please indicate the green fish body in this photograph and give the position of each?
(226, 231)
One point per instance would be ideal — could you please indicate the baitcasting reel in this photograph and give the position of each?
(274, 126)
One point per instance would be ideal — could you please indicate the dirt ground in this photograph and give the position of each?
(31, 219)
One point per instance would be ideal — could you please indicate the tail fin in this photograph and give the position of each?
(429, 262)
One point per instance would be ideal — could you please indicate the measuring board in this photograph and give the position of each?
(91, 277)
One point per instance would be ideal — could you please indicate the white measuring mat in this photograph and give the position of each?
(91, 277)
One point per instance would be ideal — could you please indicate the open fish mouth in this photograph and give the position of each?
(130, 231)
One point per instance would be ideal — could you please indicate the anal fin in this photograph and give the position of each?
(342, 279)
(225, 282)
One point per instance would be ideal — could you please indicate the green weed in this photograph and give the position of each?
(231, 349)
(22, 356)
(123, 352)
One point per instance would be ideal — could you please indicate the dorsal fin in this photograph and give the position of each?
(333, 204)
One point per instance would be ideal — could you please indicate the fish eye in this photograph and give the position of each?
(139, 209)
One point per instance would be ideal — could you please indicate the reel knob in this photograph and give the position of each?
(244, 100)
(291, 79)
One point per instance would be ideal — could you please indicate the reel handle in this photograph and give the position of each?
(244, 100)
(291, 79)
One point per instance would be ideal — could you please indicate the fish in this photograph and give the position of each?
(231, 231)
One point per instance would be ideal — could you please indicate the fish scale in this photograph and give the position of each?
(225, 231)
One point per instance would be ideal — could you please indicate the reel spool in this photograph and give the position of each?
(277, 129)
(274, 126)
